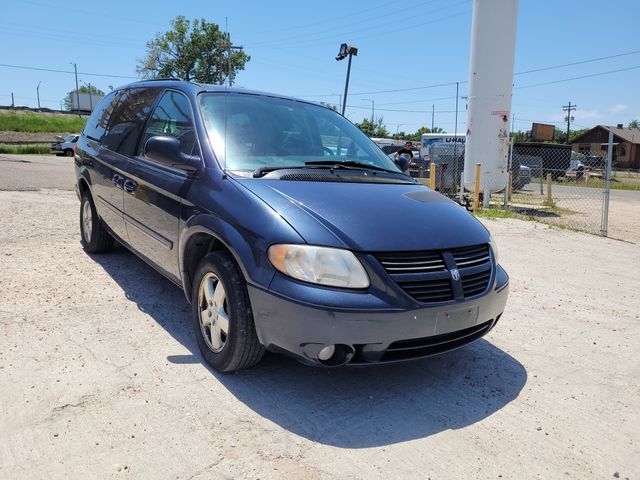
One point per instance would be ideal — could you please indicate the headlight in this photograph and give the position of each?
(321, 265)
(494, 248)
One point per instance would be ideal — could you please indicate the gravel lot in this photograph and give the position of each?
(100, 376)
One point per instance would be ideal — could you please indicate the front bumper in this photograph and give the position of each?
(302, 329)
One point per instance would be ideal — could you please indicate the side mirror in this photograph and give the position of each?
(165, 149)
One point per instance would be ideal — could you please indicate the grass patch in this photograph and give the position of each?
(38, 149)
(496, 212)
(40, 122)
(617, 183)
(523, 213)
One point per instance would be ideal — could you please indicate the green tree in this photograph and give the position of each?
(67, 102)
(330, 105)
(376, 129)
(635, 123)
(560, 135)
(194, 51)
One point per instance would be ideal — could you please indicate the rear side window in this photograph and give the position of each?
(173, 116)
(128, 119)
(98, 122)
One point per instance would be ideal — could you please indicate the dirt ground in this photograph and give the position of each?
(100, 376)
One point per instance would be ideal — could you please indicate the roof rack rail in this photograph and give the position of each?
(160, 79)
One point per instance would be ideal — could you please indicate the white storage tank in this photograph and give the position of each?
(493, 37)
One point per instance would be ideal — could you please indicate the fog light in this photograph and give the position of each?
(326, 353)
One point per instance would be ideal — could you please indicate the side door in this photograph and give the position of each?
(107, 195)
(131, 109)
(153, 191)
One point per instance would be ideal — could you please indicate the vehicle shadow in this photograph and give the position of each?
(356, 407)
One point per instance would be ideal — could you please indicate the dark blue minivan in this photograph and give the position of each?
(286, 227)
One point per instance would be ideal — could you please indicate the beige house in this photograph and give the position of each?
(626, 141)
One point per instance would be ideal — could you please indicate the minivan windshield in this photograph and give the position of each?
(249, 132)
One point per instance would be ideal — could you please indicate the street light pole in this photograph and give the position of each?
(38, 92)
(346, 51)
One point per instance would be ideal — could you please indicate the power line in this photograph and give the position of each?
(310, 37)
(578, 77)
(591, 60)
(66, 71)
(578, 63)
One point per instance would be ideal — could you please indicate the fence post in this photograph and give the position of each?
(432, 176)
(604, 226)
(549, 194)
(476, 190)
(507, 190)
(541, 177)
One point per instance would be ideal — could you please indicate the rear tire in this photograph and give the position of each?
(68, 152)
(94, 237)
(222, 316)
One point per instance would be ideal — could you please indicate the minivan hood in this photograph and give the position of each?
(370, 217)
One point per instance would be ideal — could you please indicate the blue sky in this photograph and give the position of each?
(403, 45)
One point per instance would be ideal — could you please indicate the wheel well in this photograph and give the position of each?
(82, 184)
(199, 245)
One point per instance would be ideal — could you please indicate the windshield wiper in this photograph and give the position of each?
(350, 165)
(262, 171)
(347, 165)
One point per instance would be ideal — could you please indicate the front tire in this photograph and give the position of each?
(93, 235)
(222, 316)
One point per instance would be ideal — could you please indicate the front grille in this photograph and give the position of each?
(470, 256)
(422, 347)
(412, 262)
(475, 283)
(427, 291)
(426, 275)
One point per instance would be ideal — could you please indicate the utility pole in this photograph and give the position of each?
(229, 48)
(13, 104)
(433, 115)
(373, 109)
(568, 118)
(75, 69)
(38, 92)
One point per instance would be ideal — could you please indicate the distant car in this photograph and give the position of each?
(522, 178)
(66, 146)
(576, 166)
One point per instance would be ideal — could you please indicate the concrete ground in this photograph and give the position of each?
(100, 375)
(584, 207)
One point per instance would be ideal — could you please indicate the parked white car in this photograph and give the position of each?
(66, 146)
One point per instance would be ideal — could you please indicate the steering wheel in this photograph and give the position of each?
(328, 150)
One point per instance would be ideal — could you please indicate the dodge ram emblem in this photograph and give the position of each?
(455, 274)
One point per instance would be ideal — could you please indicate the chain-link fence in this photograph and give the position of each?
(549, 183)
(556, 185)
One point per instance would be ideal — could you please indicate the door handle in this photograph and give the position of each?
(130, 186)
(118, 180)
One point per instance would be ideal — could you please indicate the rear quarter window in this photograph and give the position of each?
(98, 122)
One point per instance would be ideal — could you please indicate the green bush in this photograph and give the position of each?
(38, 149)
(39, 122)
